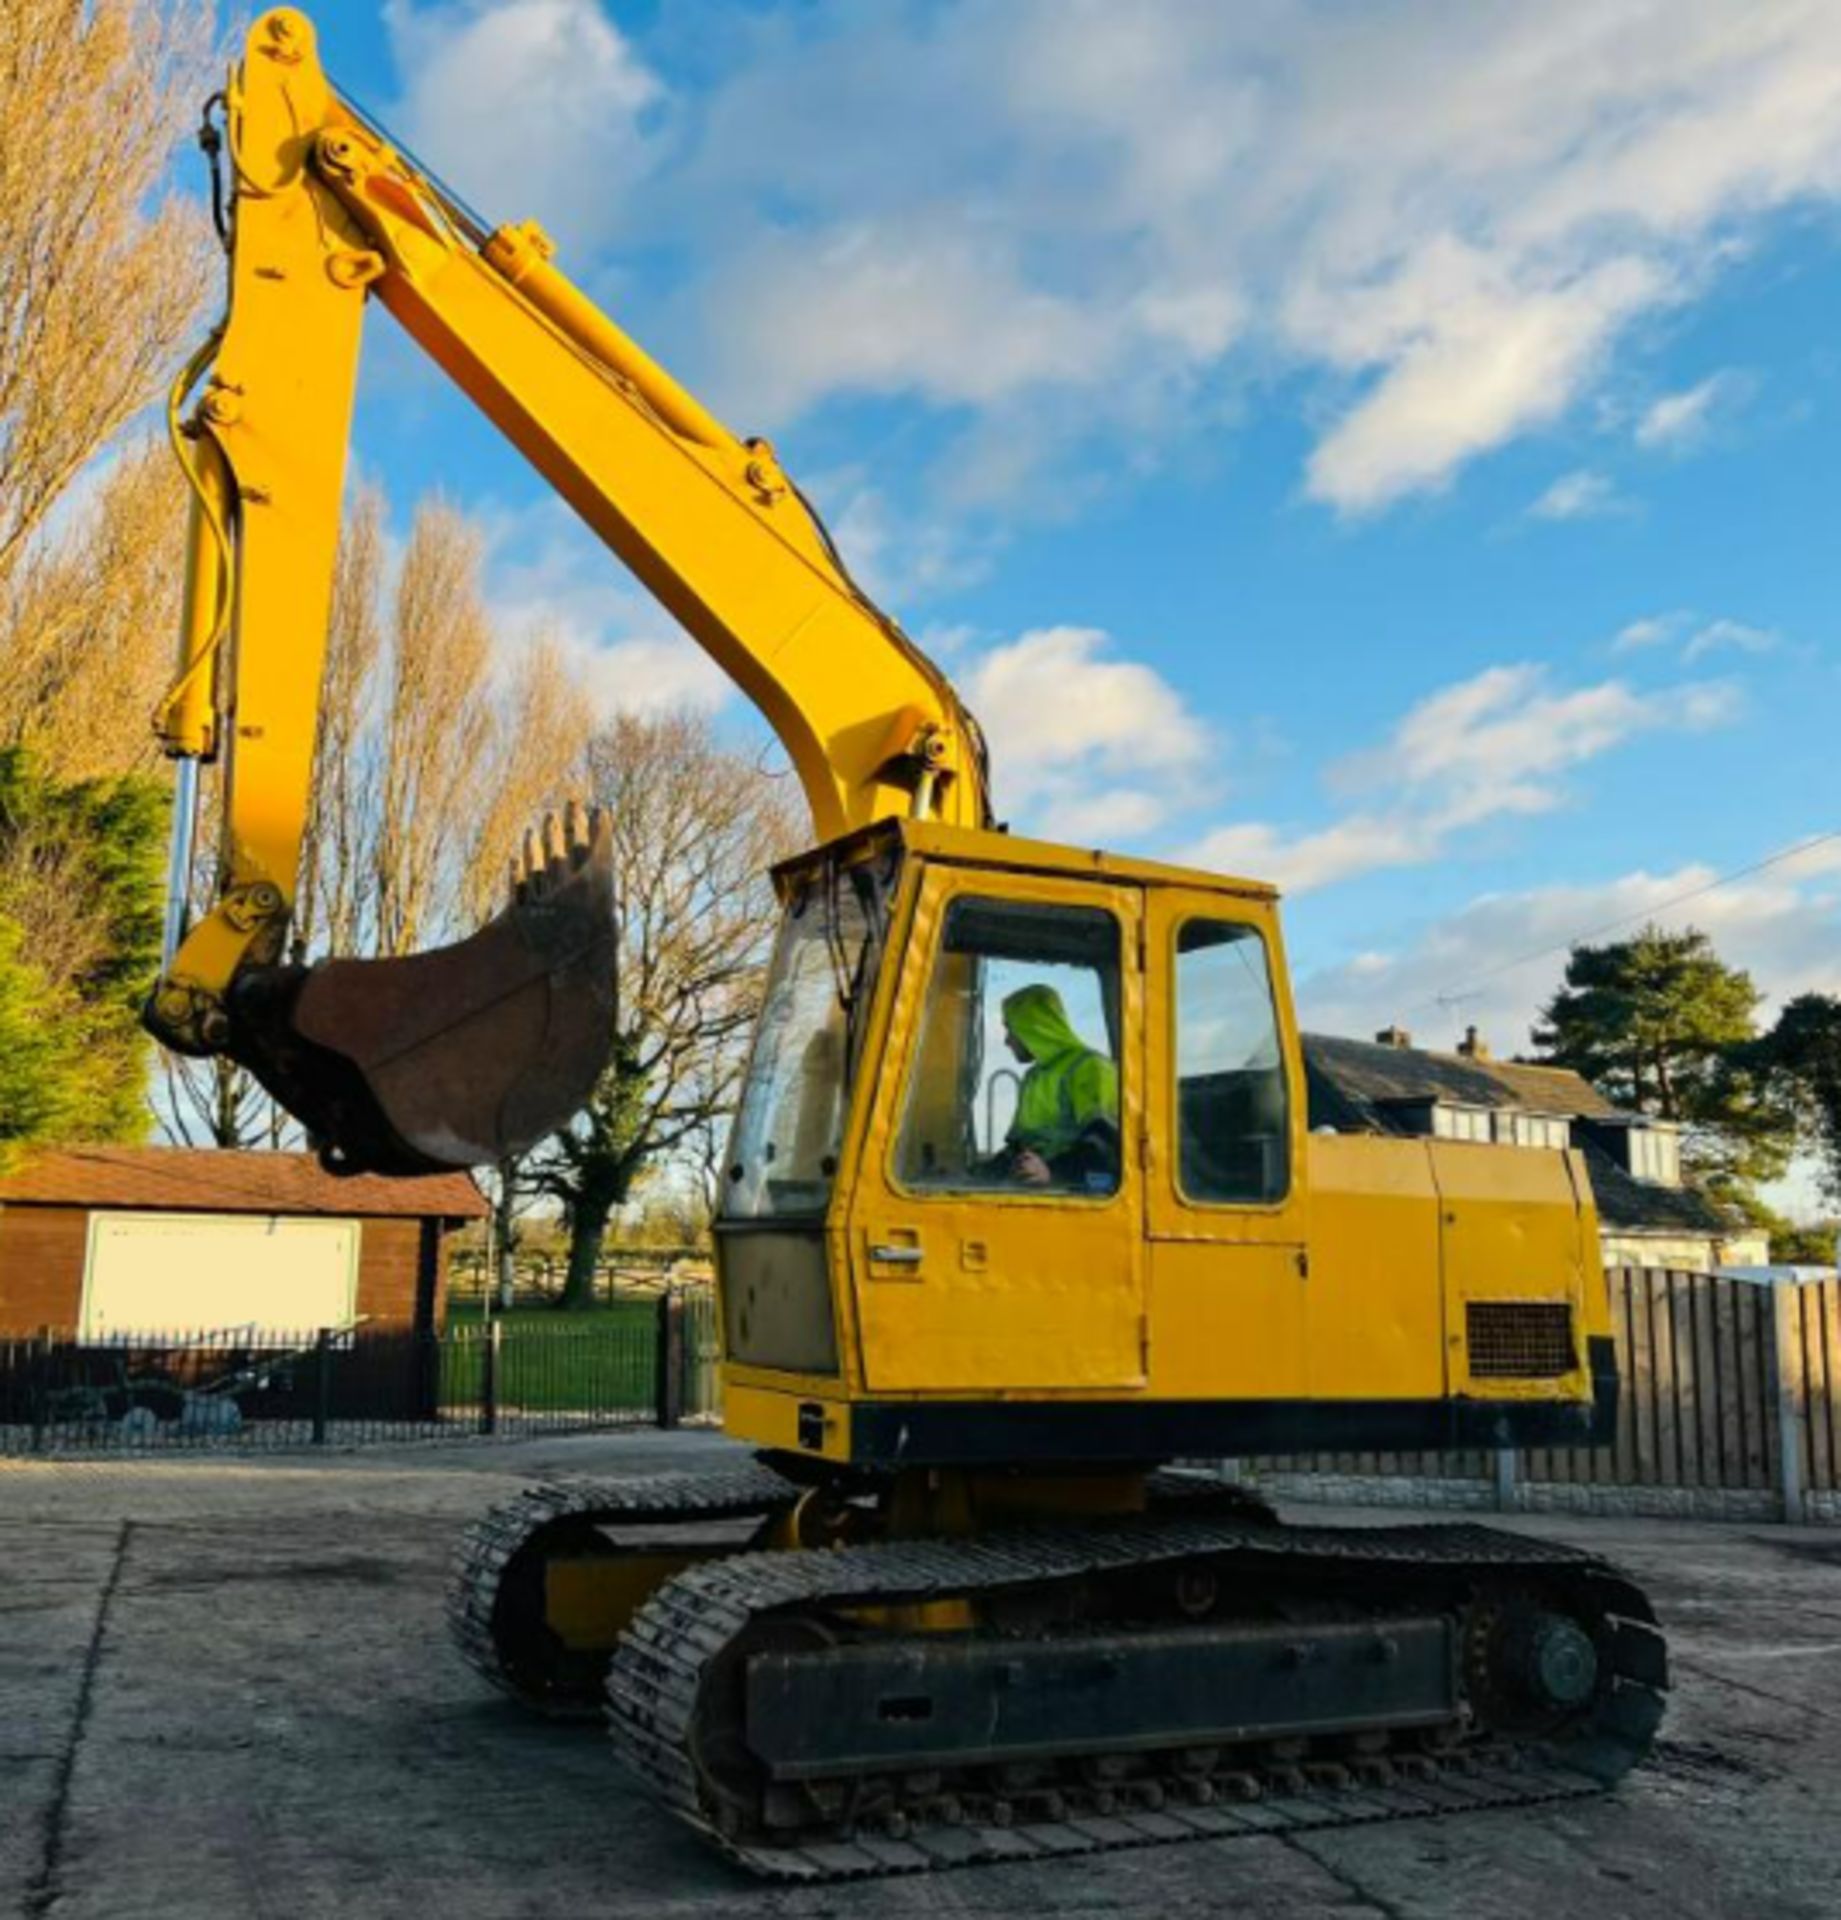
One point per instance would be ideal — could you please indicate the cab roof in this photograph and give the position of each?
(985, 847)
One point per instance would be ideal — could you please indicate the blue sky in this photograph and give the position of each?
(1390, 450)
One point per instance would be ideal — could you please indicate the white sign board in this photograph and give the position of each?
(241, 1276)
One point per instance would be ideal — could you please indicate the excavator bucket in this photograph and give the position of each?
(461, 1056)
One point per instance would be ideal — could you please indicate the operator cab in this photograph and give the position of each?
(963, 1131)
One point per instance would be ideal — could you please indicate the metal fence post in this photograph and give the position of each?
(322, 1383)
(489, 1378)
(1786, 1378)
(38, 1385)
(668, 1360)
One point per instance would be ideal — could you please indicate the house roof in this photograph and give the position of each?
(1363, 1078)
(215, 1180)
(1552, 1089)
(1638, 1206)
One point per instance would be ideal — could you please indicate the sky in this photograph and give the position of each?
(1382, 449)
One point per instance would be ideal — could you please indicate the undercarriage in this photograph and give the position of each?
(928, 1693)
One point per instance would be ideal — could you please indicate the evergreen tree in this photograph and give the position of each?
(1802, 1054)
(79, 944)
(42, 1091)
(1661, 1025)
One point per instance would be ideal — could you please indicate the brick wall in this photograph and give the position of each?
(402, 1269)
(402, 1272)
(41, 1267)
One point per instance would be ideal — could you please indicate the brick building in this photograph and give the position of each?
(114, 1240)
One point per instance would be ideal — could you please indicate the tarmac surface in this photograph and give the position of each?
(226, 1690)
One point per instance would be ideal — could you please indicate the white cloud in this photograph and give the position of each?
(897, 558)
(1678, 420)
(1484, 362)
(531, 107)
(1579, 495)
(662, 673)
(1301, 862)
(1100, 215)
(1702, 636)
(1503, 725)
(1085, 746)
(923, 308)
(1651, 631)
(547, 574)
(1730, 635)
(1031, 210)
(1487, 748)
(1783, 926)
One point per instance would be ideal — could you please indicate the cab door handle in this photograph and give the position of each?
(897, 1256)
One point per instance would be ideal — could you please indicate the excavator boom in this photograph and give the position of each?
(460, 1057)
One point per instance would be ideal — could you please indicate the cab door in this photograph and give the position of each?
(970, 1270)
(1223, 1150)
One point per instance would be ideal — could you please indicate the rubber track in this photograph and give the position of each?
(655, 1676)
(490, 1544)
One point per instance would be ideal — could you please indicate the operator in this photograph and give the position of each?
(1066, 1130)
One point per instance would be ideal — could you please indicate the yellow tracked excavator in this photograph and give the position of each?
(1022, 1203)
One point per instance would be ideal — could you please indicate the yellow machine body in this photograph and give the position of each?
(1223, 1280)
(1381, 1295)
(1022, 1200)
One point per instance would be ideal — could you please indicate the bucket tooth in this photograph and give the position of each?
(459, 1057)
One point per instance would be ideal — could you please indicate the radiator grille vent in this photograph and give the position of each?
(1519, 1339)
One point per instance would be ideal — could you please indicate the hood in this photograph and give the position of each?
(1039, 1020)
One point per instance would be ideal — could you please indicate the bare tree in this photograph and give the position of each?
(431, 759)
(433, 756)
(342, 816)
(696, 826)
(87, 623)
(535, 759)
(437, 726)
(216, 1103)
(101, 279)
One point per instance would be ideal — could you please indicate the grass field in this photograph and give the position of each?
(599, 1359)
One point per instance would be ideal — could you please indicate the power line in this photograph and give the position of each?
(1450, 998)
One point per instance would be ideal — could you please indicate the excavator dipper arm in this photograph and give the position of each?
(458, 1057)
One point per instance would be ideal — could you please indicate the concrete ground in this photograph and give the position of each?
(225, 1690)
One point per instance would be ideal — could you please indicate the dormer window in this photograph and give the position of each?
(1462, 1123)
(1655, 1155)
(1533, 1130)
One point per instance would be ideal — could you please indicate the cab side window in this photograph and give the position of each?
(1015, 1081)
(1232, 1105)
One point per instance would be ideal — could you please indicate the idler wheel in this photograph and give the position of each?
(1554, 1662)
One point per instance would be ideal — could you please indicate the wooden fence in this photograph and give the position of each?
(1728, 1388)
(621, 1273)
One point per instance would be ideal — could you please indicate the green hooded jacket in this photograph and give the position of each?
(1068, 1085)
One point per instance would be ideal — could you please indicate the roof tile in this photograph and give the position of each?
(1366, 1072)
(219, 1180)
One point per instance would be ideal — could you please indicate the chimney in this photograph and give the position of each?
(1393, 1037)
(1473, 1046)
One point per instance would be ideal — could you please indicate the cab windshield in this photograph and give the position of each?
(790, 1125)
